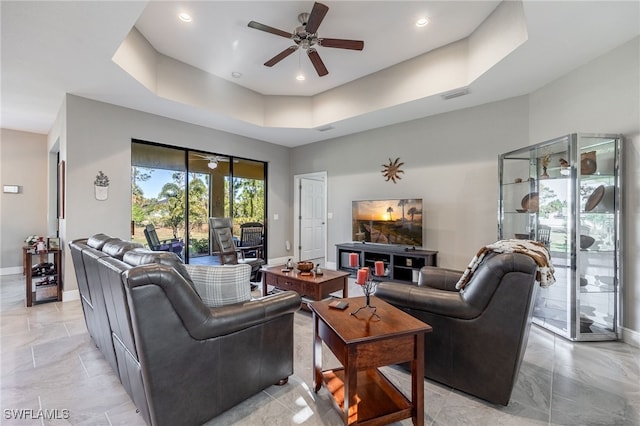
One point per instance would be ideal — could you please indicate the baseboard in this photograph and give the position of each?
(631, 337)
(277, 261)
(12, 270)
(70, 295)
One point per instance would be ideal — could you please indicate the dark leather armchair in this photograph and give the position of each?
(480, 333)
(174, 245)
(204, 353)
(221, 229)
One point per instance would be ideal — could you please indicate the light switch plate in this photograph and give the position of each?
(10, 189)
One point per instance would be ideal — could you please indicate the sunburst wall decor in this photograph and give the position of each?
(392, 170)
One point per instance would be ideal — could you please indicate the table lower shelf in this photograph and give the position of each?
(45, 294)
(378, 401)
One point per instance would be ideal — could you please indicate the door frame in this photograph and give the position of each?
(296, 211)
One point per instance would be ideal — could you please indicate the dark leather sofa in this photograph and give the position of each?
(480, 333)
(180, 361)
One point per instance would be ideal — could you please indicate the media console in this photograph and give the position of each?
(402, 264)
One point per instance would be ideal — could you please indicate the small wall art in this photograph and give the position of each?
(101, 186)
(392, 170)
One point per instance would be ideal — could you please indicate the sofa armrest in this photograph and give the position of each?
(200, 321)
(231, 318)
(427, 299)
(440, 278)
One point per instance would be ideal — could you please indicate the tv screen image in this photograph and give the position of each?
(391, 221)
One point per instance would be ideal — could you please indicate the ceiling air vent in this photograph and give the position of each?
(455, 93)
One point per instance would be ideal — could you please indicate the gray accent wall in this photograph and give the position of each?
(23, 162)
(97, 136)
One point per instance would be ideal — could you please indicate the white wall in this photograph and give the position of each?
(603, 97)
(23, 162)
(451, 160)
(97, 137)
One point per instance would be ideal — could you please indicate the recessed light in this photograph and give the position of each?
(236, 74)
(422, 22)
(300, 77)
(185, 17)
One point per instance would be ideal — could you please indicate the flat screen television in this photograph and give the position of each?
(391, 221)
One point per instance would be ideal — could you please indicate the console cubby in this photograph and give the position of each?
(401, 263)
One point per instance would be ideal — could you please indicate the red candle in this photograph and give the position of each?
(353, 260)
(379, 268)
(363, 274)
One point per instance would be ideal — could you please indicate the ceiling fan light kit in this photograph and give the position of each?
(306, 36)
(213, 160)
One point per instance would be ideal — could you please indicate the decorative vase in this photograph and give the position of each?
(101, 192)
(544, 174)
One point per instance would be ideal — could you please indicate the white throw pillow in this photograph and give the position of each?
(221, 284)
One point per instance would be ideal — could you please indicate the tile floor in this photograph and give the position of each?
(48, 362)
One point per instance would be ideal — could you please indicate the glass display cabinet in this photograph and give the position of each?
(566, 194)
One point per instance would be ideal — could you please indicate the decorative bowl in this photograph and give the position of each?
(601, 200)
(586, 241)
(588, 163)
(305, 266)
(530, 202)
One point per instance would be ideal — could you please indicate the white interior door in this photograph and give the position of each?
(312, 219)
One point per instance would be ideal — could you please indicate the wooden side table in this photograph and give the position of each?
(53, 293)
(362, 343)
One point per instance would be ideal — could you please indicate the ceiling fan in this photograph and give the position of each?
(213, 160)
(306, 36)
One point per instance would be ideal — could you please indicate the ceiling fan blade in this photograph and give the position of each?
(341, 43)
(315, 17)
(263, 27)
(280, 56)
(317, 62)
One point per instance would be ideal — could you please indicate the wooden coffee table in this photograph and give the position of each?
(362, 343)
(308, 286)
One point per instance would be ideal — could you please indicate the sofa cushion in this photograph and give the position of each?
(221, 285)
(142, 256)
(117, 248)
(97, 241)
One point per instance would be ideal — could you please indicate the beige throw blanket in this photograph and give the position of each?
(535, 249)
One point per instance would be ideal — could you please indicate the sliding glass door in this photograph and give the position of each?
(157, 191)
(208, 193)
(248, 192)
(178, 190)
